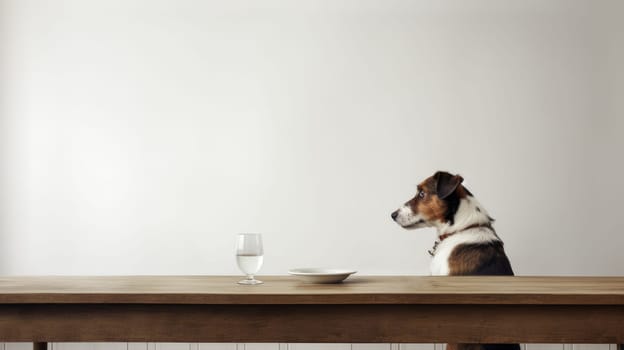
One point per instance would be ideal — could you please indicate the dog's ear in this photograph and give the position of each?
(446, 183)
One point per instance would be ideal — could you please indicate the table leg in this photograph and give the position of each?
(40, 346)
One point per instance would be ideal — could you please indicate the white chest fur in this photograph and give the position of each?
(439, 263)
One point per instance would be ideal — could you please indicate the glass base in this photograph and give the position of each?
(250, 281)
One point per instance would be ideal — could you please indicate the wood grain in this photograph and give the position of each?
(288, 290)
(313, 323)
(398, 309)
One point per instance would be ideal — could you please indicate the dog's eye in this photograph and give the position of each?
(421, 194)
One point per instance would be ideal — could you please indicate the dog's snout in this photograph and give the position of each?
(394, 215)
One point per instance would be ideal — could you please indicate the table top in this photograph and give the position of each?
(288, 290)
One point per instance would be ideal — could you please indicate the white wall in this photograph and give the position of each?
(138, 137)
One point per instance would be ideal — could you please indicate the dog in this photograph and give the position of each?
(467, 243)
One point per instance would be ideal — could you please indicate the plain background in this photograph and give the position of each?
(138, 137)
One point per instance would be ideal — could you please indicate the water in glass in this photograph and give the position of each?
(249, 256)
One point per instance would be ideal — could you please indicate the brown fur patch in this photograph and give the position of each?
(429, 185)
(432, 208)
(479, 259)
(461, 191)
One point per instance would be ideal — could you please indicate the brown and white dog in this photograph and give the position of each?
(467, 243)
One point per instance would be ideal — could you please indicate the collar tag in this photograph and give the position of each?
(432, 251)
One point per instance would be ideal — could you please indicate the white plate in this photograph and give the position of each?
(320, 275)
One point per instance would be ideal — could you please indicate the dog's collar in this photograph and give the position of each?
(449, 234)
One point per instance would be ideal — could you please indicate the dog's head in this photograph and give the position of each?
(435, 203)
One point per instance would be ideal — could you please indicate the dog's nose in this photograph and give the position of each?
(394, 215)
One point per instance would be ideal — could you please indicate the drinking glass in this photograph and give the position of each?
(249, 255)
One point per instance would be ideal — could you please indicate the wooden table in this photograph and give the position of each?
(397, 309)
